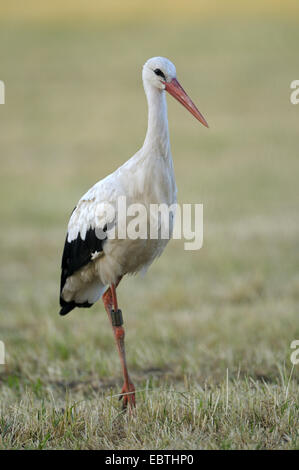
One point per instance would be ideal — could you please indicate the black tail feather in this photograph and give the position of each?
(69, 306)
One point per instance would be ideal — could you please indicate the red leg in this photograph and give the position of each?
(110, 303)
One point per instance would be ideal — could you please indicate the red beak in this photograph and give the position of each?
(175, 89)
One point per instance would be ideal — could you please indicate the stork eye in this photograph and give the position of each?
(160, 73)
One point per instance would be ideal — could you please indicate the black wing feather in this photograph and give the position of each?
(77, 254)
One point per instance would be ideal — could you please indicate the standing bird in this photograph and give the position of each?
(93, 263)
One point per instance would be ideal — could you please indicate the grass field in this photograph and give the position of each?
(208, 333)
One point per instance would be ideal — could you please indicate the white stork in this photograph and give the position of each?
(93, 266)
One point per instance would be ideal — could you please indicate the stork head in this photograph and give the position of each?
(157, 71)
(160, 73)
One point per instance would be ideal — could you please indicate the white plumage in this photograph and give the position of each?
(141, 180)
(146, 178)
(88, 267)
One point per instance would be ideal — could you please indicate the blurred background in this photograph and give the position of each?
(75, 110)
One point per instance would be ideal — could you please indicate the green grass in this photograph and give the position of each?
(208, 333)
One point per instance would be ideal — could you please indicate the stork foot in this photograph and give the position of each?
(128, 395)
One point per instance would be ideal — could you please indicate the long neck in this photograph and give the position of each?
(157, 136)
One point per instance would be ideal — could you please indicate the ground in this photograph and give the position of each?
(208, 333)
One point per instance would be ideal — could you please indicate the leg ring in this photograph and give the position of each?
(117, 318)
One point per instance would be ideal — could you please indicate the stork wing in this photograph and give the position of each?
(87, 229)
